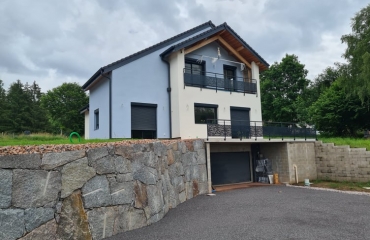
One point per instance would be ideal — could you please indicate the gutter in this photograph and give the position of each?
(169, 91)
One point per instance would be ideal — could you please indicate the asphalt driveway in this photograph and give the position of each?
(273, 212)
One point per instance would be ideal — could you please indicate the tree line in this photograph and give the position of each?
(336, 102)
(25, 108)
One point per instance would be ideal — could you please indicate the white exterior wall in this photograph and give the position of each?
(183, 99)
(99, 99)
(87, 125)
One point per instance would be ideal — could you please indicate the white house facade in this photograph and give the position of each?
(205, 79)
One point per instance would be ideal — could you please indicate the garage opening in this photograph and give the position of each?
(143, 120)
(230, 167)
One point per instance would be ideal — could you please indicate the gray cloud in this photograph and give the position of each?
(53, 41)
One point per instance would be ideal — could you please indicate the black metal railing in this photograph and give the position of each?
(219, 81)
(258, 129)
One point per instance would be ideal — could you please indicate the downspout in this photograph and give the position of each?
(169, 92)
(296, 173)
(110, 102)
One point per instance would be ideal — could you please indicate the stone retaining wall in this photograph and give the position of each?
(97, 193)
(342, 163)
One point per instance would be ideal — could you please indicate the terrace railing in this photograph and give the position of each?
(258, 129)
(218, 82)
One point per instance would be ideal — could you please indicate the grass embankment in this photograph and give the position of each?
(352, 142)
(40, 139)
(344, 186)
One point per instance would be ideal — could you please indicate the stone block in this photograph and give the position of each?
(181, 147)
(122, 165)
(101, 221)
(141, 197)
(127, 177)
(35, 188)
(195, 188)
(198, 144)
(11, 224)
(146, 158)
(177, 155)
(144, 174)
(96, 192)
(122, 193)
(201, 156)
(130, 220)
(53, 160)
(170, 157)
(189, 146)
(188, 159)
(124, 151)
(174, 146)
(202, 173)
(35, 217)
(75, 175)
(6, 178)
(203, 187)
(155, 199)
(189, 190)
(97, 153)
(24, 161)
(155, 218)
(182, 196)
(104, 165)
(73, 222)
(44, 232)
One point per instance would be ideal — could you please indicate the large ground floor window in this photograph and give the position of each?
(205, 112)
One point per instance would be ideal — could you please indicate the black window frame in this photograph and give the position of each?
(205, 106)
(229, 85)
(193, 61)
(96, 119)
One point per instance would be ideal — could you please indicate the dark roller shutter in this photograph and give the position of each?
(143, 117)
(230, 167)
(240, 122)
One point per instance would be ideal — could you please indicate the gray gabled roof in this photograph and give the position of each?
(209, 33)
(146, 51)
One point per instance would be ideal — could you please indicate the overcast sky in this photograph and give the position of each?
(54, 41)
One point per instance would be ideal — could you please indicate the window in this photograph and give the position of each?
(230, 76)
(96, 119)
(205, 112)
(194, 67)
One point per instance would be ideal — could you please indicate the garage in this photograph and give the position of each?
(230, 167)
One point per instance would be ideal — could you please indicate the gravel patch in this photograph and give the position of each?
(28, 149)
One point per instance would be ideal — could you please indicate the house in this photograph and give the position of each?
(172, 89)
(201, 83)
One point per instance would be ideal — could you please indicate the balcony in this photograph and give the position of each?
(219, 82)
(257, 129)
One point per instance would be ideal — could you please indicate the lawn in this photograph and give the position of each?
(39, 139)
(344, 186)
(352, 142)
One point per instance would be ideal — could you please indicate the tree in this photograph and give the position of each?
(321, 83)
(62, 104)
(335, 114)
(39, 121)
(19, 107)
(357, 78)
(281, 86)
(4, 112)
